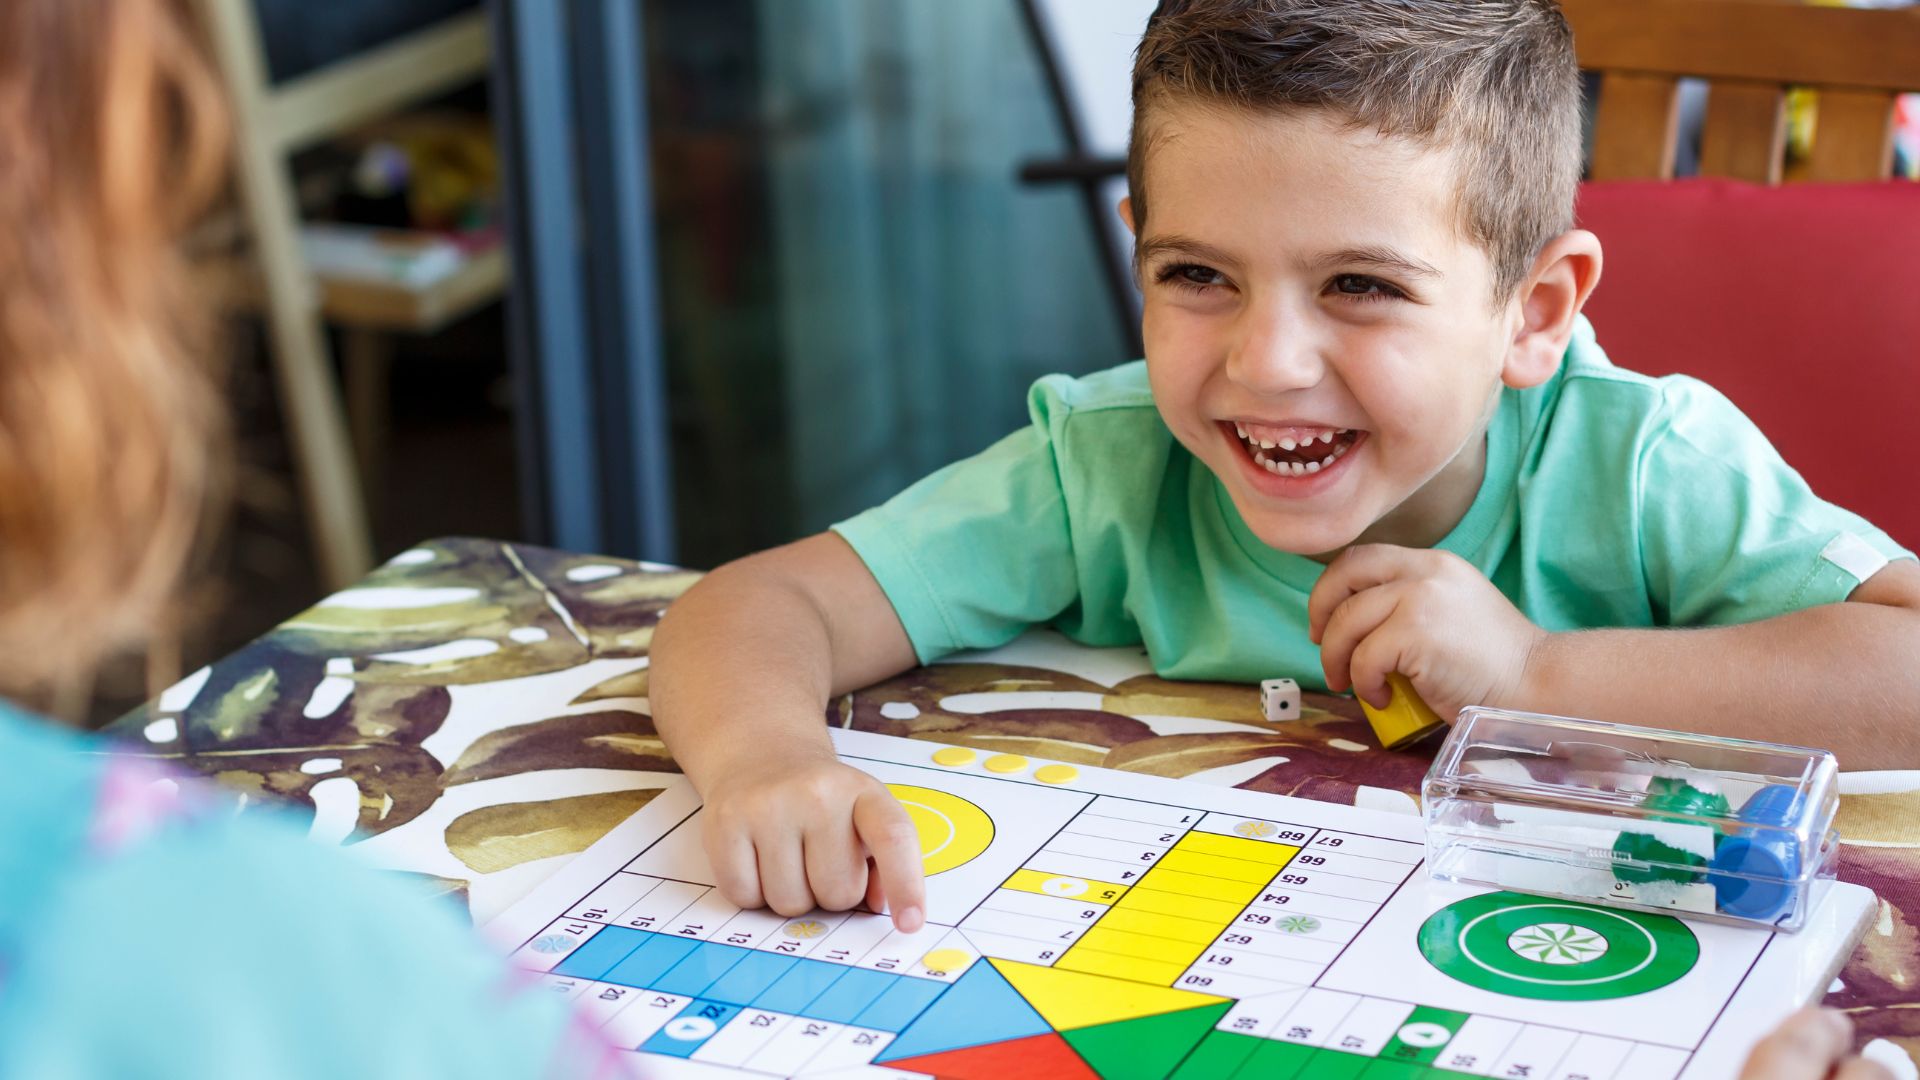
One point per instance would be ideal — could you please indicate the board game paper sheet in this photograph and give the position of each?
(1088, 923)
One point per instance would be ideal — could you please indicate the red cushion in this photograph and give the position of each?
(1801, 303)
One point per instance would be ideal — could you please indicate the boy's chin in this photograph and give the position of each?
(1317, 540)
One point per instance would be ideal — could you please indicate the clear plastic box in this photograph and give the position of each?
(1663, 821)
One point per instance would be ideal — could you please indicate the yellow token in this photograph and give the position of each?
(954, 755)
(1005, 763)
(1056, 774)
(946, 959)
(806, 928)
(1406, 719)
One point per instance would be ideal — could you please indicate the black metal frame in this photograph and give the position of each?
(1088, 172)
(584, 313)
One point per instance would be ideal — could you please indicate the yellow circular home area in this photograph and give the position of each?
(952, 830)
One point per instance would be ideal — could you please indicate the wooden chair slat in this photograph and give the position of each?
(1783, 42)
(1852, 136)
(1634, 127)
(1745, 134)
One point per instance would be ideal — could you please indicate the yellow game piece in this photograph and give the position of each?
(1005, 763)
(1056, 774)
(954, 755)
(947, 959)
(1405, 719)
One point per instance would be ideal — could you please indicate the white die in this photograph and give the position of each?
(1280, 699)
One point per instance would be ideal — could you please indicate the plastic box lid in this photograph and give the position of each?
(1666, 821)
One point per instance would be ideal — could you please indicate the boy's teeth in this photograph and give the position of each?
(1313, 467)
(1265, 445)
(1287, 444)
(1242, 429)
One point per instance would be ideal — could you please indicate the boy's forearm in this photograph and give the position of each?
(1841, 676)
(741, 663)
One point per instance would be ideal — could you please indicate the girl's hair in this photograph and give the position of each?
(112, 139)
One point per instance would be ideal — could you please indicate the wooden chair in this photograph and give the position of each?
(1750, 52)
(273, 121)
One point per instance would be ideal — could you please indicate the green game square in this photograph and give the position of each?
(1336, 1065)
(1276, 1060)
(1398, 1051)
(1221, 1053)
(1394, 1070)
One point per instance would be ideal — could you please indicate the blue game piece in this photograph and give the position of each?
(1769, 859)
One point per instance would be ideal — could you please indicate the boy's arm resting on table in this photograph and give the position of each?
(1842, 676)
(743, 667)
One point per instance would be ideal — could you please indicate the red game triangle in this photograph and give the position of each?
(1039, 1057)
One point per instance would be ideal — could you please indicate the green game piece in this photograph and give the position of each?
(1276, 1060)
(1221, 1053)
(1677, 801)
(1555, 950)
(1145, 1048)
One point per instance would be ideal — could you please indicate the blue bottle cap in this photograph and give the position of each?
(1771, 805)
(1770, 863)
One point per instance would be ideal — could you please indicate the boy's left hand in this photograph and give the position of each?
(1428, 615)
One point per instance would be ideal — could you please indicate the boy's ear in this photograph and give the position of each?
(1549, 300)
(1126, 214)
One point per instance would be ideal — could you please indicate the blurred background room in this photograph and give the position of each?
(666, 279)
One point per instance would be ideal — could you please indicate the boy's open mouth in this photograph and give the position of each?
(1295, 451)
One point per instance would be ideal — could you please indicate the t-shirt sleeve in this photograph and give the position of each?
(978, 552)
(1730, 533)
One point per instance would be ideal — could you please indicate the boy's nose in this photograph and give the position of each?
(1277, 351)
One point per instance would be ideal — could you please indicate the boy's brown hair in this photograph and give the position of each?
(1493, 80)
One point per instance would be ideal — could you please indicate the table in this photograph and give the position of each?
(475, 712)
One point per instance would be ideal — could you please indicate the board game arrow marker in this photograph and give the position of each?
(1146, 1048)
(1074, 999)
(980, 1007)
(1041, 1057)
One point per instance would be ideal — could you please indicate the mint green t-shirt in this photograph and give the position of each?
(1611, 499)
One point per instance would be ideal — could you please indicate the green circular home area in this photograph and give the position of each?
(1556, 950)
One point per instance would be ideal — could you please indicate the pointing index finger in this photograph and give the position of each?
(890, 837)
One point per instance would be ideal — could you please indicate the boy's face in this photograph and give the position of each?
(1309, 288)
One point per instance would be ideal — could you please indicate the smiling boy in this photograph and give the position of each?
(1372, 433)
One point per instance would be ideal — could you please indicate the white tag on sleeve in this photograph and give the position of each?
(1854, 556)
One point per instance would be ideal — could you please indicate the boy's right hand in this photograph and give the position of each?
(798, 834)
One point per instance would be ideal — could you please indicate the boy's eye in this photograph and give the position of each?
(1191, 275)
(1360, 286)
